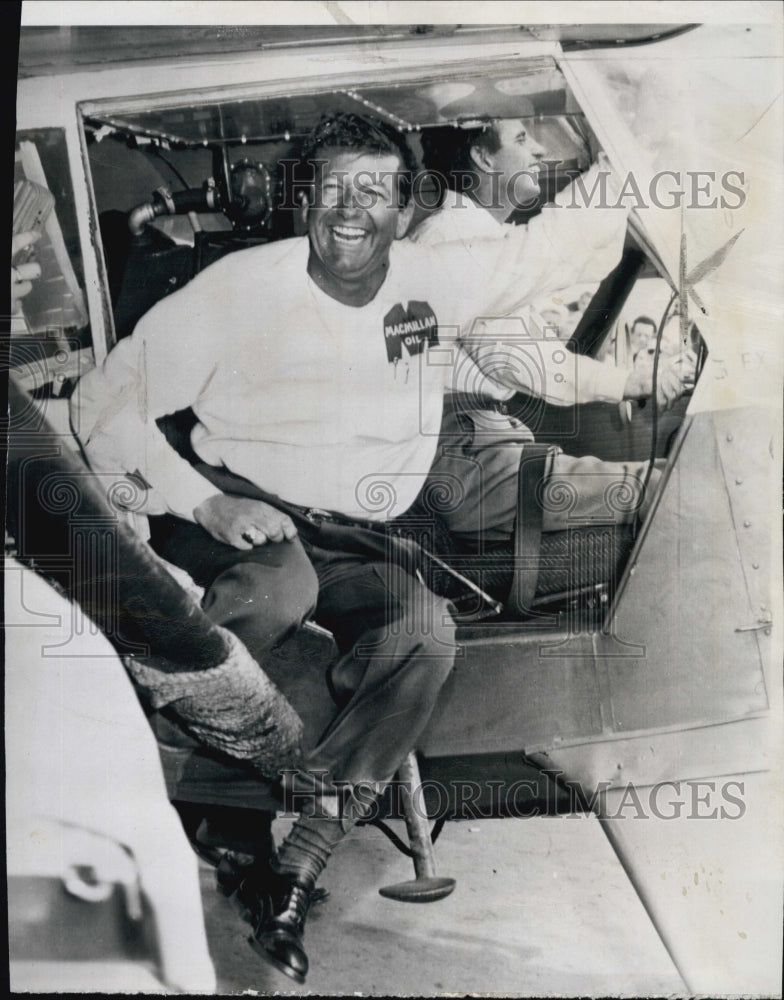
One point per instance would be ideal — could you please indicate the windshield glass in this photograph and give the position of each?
(697, 123)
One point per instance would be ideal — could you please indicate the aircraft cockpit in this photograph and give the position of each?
(626, 654)
(220, 174)
(182, 180)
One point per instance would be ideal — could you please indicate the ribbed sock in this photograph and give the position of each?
(307, 848)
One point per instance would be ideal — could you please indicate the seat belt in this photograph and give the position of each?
(528, 527)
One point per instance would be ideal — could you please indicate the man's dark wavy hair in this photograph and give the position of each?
(363, 133)
(447, 152)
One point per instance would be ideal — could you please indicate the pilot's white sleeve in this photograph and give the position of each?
(158, 370)
(557, 249)
(511, 351)
(545, 368)
(566, 244)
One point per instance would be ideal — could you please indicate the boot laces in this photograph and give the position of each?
(297, 904)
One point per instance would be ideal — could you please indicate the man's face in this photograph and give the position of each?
(640, 336)
(356, 215)
(518, 160)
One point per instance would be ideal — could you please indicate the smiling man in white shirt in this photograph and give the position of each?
(315, 368)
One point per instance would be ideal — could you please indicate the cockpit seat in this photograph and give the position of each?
(531, 569)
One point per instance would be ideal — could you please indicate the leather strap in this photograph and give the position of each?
(528, 527)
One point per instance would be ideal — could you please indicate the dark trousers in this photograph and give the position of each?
(395, 638)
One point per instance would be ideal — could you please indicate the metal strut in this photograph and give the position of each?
(427, 887)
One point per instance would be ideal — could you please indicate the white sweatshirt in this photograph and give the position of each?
(320, 403)
(504, 355)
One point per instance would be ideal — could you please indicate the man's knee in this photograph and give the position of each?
(587, 489)
(427, 622)
(264, 602)
(440, 644)
(419, 626)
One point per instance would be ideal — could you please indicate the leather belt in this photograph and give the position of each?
(464, 402)
(316, 515)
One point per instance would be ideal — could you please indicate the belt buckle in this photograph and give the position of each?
(316, 515)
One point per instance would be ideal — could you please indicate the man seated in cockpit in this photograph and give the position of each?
(493, 170)
(278, 518)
